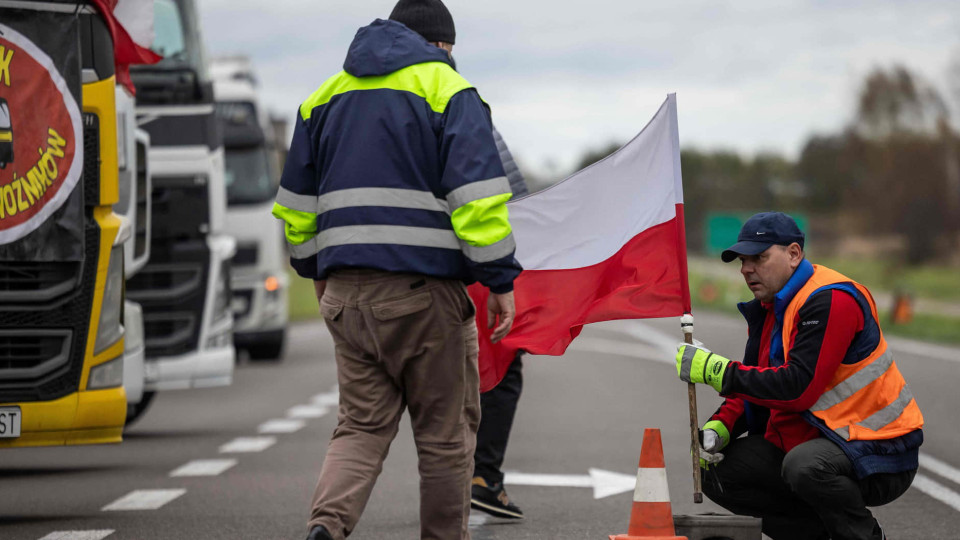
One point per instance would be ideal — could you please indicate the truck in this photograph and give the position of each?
(184, 287)
(61, 244)
(254, 156)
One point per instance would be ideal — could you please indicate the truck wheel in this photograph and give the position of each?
(136, 410)
(270, 348)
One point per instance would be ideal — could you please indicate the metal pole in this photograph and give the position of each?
(686, 324)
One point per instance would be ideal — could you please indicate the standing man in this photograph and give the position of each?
(394, 196)
(831, 425)
(499, 405)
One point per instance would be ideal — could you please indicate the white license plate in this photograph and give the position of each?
(9, 422)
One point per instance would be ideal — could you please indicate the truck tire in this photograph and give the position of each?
(270, 348)
(136, 410)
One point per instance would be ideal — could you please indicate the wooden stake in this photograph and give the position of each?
(686, 324)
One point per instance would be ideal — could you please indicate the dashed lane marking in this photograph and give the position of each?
(78, 535)
(284, 425)
(308, 411)
(941, 468)
(144, 499)
(937, 490)
(477, 520)
(204, 467)
(327, 399)
(247, 445)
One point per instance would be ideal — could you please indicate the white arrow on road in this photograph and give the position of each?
(604, 483)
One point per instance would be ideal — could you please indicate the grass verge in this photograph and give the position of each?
(302, 298)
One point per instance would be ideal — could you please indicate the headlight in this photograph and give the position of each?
(106, 375)
(111, 309)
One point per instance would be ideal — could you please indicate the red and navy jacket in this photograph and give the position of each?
(770, 397)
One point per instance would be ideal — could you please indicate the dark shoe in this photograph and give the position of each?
(319, 533)
(492, 500)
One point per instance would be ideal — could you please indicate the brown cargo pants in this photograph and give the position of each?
(402, 341)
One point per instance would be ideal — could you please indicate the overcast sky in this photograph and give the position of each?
(561, 77)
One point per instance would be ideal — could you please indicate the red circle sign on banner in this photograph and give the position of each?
(41, 137)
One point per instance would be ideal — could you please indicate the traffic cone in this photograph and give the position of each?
(651, 517)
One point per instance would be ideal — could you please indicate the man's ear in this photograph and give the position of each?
(796, 255)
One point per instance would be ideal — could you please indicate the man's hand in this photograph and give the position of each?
(714, 436)
(500, 305)
(699, 365)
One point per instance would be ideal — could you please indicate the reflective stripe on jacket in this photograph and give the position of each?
(393, 166)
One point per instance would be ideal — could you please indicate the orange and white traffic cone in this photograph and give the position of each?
(651, 517)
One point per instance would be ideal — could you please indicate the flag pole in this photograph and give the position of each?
(686, 324)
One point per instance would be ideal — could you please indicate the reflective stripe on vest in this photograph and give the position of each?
(868, 400)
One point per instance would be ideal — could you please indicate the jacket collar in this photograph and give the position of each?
(796, 282)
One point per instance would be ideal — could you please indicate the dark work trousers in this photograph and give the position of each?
(811, 493)
(497, 408)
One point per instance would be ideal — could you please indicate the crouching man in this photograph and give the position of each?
(830, 425)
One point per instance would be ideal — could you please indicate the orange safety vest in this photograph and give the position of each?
(867, 400)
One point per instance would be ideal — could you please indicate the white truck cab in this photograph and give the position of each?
(253, 159)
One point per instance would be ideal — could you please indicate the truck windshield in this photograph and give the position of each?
(177, 36)
(250, 178)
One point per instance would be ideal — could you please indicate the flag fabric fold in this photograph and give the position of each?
(126, 48)
(606, 243)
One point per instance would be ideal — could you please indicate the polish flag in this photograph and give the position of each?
(606, 243)
(131, 25)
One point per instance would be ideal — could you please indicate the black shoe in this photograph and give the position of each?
(319, 533)
(492, 500)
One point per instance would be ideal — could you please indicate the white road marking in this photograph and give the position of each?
(604, 483)
(144, 499)
(248, 444)
(308, 411)
(941, 468)
(78, 535)
(204, 467)
(477, 519)
(937, 490)
(284, 425)
(619, 348)
(327, 399)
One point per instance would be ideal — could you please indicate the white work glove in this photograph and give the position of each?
(712, 442)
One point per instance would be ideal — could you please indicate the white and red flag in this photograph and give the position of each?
(606, 243)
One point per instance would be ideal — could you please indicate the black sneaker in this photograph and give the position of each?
(319, 533)
(492, 500)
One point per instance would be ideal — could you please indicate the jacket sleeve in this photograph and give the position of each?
(517, 184)
(296, 202)
(730, 414)
(476, 190)
(826, 326)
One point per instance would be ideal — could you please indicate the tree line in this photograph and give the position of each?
(891, 176)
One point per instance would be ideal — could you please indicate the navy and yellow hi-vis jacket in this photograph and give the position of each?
(393, 166)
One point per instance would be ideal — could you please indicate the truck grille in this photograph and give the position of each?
(31, 354)
(172, 290)
(43, 337)
(36, 282)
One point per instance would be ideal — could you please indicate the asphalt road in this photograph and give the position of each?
(586, 410)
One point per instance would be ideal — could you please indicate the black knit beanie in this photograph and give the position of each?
(429, 18)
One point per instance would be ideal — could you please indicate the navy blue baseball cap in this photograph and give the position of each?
(762, 231)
